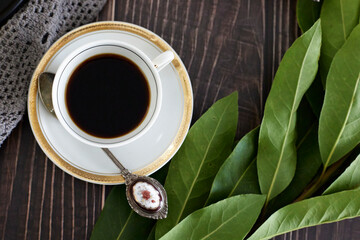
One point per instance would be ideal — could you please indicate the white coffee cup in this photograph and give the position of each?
(149, 68)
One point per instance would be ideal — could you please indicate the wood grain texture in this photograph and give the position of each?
(226, 45)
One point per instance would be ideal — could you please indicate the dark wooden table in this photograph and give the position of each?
(225, 45)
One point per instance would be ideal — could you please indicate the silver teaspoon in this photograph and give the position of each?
(146, 196)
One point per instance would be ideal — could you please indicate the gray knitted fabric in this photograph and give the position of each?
(23, 41)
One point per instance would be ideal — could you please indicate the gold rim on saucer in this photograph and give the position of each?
(121, 26)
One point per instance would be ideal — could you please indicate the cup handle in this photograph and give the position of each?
(162, 60)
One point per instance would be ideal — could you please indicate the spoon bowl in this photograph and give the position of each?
(160, 211)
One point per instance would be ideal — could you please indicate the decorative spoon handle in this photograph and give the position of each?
(123, 171)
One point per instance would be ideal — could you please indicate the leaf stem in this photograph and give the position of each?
(318, 182)
(309, 191)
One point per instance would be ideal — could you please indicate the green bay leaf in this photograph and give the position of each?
(338, 19)
(238, 173)
(310, 212)
(349, 179)
(308, 158)
(276, 160)
(308, 164)
(307, 12)
(315, 95)
(118, 221)
(194, 167)
(305, 120)
(339, 126)
(231, 218)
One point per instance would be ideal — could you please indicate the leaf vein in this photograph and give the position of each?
(126, 223)
(343, 126)
(342, 19)
(242, 176)
(201, 164)
(290, 120)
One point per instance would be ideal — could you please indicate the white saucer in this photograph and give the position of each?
(143, 156)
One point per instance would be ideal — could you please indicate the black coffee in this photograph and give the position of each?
(107, 96)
